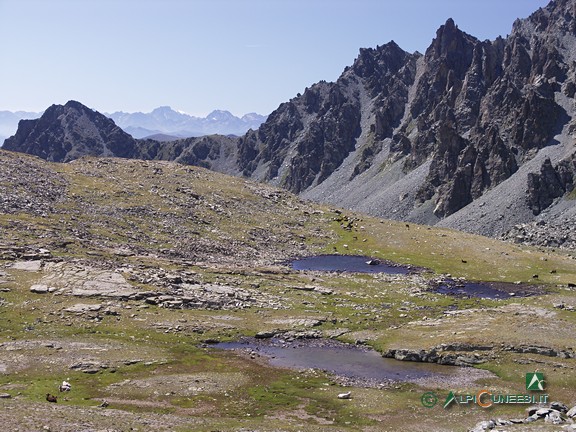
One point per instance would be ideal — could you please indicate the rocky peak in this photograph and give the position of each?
(387, 57)
(220, 115)
(66, 132)
(75, 105)
(166, 112)
(498, 100)
(450, 42)
(380, 66)
(558, 17)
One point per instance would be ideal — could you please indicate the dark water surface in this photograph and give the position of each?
(364, 264)
(347, 263)
(487, 290)
(340, 359)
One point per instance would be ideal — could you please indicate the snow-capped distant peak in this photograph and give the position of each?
(219, 115)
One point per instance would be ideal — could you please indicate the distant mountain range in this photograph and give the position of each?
(163, 123)
(9, 122)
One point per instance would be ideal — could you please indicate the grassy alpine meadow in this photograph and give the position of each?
(138, 268)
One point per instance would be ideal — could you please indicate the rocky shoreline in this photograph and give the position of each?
(464, 354)
(555, 413)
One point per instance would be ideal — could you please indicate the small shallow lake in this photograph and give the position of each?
(348, 263)
(365, 264)
(357, 363)
(487, 290)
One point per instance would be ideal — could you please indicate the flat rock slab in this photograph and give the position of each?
(298, 322)
(83, 308)
(107, 284)
(35, 265)
(88, 367)
(86, 281)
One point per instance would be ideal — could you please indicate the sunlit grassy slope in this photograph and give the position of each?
(141, 219)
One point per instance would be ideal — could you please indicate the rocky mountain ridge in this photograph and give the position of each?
(160, 121)
(428, 135)
(67, 132)
(474, 135)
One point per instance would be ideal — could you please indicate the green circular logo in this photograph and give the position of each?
(429, 399)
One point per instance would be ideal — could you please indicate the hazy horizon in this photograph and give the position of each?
(196, 56)
(138, 112)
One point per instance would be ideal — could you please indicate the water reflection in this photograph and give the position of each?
(348, 263)
(340, 359)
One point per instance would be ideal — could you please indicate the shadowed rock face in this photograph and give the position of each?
(476, 110)
(66, 132)
(306, 139)
(466, 116)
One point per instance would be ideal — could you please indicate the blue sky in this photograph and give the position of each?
(199, 55)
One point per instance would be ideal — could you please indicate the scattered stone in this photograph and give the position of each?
(173, 278)
(323, 291)
(5, 395)
(558, 233)
(302, 288)
(306, 334)
(123, 252)
(40, 253)
(265, 334)
(88, 367)
(559, 406)
(541, 412)
(81, 308)
(42, 289)
(483, 426)
(554, 417)
(502, 422)
(347, 395)
(335, 333)
(516, 421)
(298, 322)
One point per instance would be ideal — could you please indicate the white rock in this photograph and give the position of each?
(28, 265)
(346, 395)
(41, 289)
